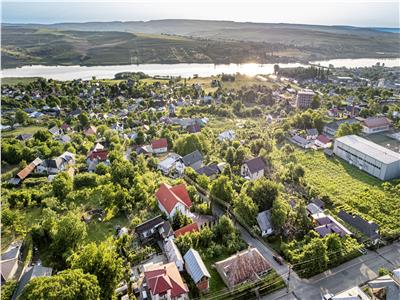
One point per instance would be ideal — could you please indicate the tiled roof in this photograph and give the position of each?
(163, 278)
(99, 154)
(208, 170)
(161, 143)
(376, 122)
(29, 169)
(192, 158)
(170, 196)
(186, 229)
(323, 139)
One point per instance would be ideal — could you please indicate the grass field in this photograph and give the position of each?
(100, 231)
(216, 282)
(18, 80)
(353, 190)
(22, 130)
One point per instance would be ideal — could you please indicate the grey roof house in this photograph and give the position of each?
(32, 272)
(264, 222)
(369, 229)
(253, 168)
(197, 269)
(193, 160)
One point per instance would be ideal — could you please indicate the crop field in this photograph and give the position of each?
(353, 190)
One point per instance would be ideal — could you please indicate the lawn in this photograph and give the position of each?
(353, 190)
(18, 80)
(100, 231)
(23, 130)
(216, 282)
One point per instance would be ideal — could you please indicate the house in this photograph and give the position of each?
(95, 157)
(66, 128)
(24, 136)
(145, 149)
(354, 293)
(55, 131)
(195, 128)
(264, 222)
(369, 229)
(228, 135)
(375, 124)
(210, 171)
(193, 160)
(197, 270)
(165, 282)
(186, 229)
(170, 163)
(159, 146)
(326, 224)
(173, 198)
(154, 228)
(311, 134)
(173, 254)
(64, 139)
(331, 128)
(313, 209)
(247, 265)
(56, 165)
(25, 172)
(31, 272)
(9, 261)
(253, 168)
(385, 287)
(91, 130)
(323, 141)
(300, 141)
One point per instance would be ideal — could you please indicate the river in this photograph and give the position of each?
(184, 70)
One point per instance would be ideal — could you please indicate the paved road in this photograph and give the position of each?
(352, 273)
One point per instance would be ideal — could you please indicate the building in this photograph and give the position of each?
(354, 293)
(331, 128)
(56, 165)
(32, 272)
(159, 146)
(155, 228)
(247, 265)
(173, 198)
(210, 171)
(193, 160)
(311, 134)
(173, 254)
(91, 130)
(228, 135)
(323, 141)
(385, 287)
(300, 141)
(304, 98)
(95, 157)
(186, 229)
(253, 168)
(170, 163)
(369, 229)
(368, 156)
(25, 172)
(264, 222)
(375, 124)
(165, 282)
(9, 262)
(197, 269)
(326, 224)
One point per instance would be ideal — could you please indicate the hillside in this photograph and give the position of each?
(188, 41)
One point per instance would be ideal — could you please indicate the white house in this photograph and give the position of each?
(159, 146)
(173, 254)
(253, 168)
(323, 141)
(173, 198)
(264, 222)
(375, 124)
(170, 163)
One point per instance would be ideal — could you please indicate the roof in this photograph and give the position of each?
(208, 170)
(312, 208)
(194, 128)
(335, 124)
(186, 229)
(162, 278)
(24, 136)
(323, 139)
(98, 154)
(54, 163)
(369, 229)
(374, 122)
(169, 196)
(299, 140)
(195, 265)
(354, 293)
(255, 164)
(54, 130)
(149, 224)
(161, 143)
(32, 272)
(12, 251)
(25, 172)
(7, 267)
(306, 92)
(172, 252)
(369, 148)
(264, 220)
(245, 265)
(192, 158)
(312, 131)
(91, 130)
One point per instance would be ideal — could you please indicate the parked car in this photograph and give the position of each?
(327, 296)
(278, 259)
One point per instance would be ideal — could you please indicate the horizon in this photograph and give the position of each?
(364, 14)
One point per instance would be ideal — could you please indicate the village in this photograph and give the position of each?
(227, 187)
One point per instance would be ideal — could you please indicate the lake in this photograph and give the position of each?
(184, 70)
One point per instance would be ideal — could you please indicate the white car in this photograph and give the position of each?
(327, 296)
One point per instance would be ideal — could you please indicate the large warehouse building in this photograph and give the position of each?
(368, 156)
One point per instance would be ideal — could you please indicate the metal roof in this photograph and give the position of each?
(369, 148)
(195, 265)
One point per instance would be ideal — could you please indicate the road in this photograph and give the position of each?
(352, 273)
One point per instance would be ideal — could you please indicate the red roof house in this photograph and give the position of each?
(323, 141)
(173, 198)
(100, 155)
(159, 146)
(186, 229)
(91, 130)
(165, 280)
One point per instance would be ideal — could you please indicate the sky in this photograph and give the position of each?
(377, 13)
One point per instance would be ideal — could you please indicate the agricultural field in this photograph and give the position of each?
(353, 190)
